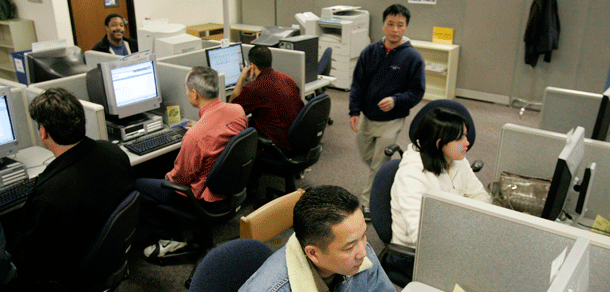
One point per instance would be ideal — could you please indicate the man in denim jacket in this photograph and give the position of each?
(327, 252)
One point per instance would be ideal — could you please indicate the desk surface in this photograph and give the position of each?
(322, 81)
(246, 27)
(35, 158)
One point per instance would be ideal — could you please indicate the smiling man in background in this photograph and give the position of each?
(115, 42)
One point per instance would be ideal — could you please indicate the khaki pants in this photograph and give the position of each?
(372, 140)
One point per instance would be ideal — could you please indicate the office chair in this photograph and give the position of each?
(381, 217)
(271, 219)
(228, 176)
(105, 263)
(304, 137)
(444, 103)
(324, 66)
(229, 265)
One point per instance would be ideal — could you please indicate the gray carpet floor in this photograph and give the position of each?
(339, 165)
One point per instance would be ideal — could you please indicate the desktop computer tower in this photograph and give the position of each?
(309, 45)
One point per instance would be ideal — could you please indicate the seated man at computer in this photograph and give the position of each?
(273, 98)
(115, 42)
(201, 147)
(327, 252)
(72, 198)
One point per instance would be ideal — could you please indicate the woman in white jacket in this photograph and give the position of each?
(434, 161)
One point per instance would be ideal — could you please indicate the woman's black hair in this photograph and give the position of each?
(436, 129)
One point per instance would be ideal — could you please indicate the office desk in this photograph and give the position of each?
(310, 87)
(135, 159)
(238, 30)
(35, 158)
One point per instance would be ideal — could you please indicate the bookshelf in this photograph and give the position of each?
(441, 68)
(15, 35)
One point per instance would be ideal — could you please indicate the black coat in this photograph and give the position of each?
(542, 32)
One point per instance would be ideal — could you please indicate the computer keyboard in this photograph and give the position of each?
(15, 194)
(156, 140)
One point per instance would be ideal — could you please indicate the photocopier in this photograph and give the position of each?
(343, 28)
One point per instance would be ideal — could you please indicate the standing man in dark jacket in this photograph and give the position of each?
(389, 80)
(115, 42)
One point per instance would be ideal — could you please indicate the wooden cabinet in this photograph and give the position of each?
(207, 31)
(15, 35)
(441, 68)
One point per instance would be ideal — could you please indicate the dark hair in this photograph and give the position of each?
(395, 10)
(61, 114)
(260, 56)
(318, 210)
(111, 16)
(204, 80)
(438, 124)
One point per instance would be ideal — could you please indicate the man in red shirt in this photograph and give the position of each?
(273, 98)
(201, 147)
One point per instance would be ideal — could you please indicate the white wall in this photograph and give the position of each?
(187, 12)
(51, 19)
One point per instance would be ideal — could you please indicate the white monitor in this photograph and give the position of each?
(179, 44)
(9, 137)
(155, 30)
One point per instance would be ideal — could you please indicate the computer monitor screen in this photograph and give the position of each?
(9, 140)
(126, 89)
(53, 64)
(602, 122)
(563, 177)
(228, 60)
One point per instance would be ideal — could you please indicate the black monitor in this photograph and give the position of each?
(228, 60)
(602, 122)
(54, 64)
(563, 178)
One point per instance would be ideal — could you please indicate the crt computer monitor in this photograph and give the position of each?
(228, 60)
(125, 89)
(9, 138)
(54, 64)
(563, 178)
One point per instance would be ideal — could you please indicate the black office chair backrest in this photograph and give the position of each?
(108, 252)
(381, 214)
(229, 265)
(325, 62)
(308, 128)
(230, 173)
(449, 104)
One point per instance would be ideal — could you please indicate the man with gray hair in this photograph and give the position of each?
(201, 147)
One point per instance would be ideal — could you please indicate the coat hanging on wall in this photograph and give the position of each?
(542, 31)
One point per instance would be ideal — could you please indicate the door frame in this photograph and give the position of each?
(131, 18)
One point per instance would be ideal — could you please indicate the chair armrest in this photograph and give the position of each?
(187, 190)
(400, 250)
(270, 148)
(390, 150)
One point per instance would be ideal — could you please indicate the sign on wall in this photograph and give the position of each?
(432, 2)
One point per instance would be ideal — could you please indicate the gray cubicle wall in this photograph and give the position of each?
(533, 152)
(564, 109)
(77, 84)
(483, 247)
(289, 62)
(171, 81)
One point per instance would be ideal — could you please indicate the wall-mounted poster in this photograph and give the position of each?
(111, 3)
(433, 2)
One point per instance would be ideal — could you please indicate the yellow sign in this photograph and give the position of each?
(601, 225)
(173, 114)
(442, 35)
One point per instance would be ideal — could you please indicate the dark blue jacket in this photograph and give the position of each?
(399, 73)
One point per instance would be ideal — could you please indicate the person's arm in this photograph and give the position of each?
(474, 189)
(415, 85)
(358, 88)
(409, 186)
(378, 280)
(245, 73)
(188, 163)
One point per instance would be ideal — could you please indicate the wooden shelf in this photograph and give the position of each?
(441, 68)
(17, 35)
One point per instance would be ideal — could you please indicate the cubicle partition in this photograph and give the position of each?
(483, 247)
(533, 152)
(92, 58)
(77, 84)
(171, 81)
(290, 62)
(564, 109)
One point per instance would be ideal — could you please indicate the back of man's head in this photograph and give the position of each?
(111, 16)
(318, 210)
(260, 56)
(61, 114)
(204, 80)
(397, 9)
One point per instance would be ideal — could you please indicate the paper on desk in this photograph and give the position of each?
(600, 224)
(556, 264)
(457, 288)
